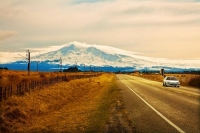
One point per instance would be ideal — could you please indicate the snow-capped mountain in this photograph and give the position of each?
(95, 55)
(98, 55)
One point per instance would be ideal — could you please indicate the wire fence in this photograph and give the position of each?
(26, 87)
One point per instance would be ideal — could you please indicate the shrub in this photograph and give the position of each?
(42, 75)
(195, 82)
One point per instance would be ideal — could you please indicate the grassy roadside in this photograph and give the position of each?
(110, 115)
(82, 105)
(100, 116)
(185, 79)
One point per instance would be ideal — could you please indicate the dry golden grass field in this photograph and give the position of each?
(91, 104)
(9, 77)
(19, 82)
(185, 79)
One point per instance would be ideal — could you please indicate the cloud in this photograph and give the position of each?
(6, 34)
(135, 25)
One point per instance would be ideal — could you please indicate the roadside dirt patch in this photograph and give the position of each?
(119, 120)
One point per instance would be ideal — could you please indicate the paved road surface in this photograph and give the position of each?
(157, 109)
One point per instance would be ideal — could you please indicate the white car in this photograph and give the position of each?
(171, 81)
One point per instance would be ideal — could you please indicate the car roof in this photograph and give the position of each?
(170, 77)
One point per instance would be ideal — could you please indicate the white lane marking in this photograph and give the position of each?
(171, 89)
(162, 116)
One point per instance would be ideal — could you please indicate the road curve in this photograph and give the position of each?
(154, 108)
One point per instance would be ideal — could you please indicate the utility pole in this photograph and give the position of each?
(60, 64)
(37, 66)
(28, 61)
(75, 64)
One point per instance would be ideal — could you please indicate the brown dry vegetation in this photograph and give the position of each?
(185, 79)
(10, 77)
(81, 105)
(17, 82)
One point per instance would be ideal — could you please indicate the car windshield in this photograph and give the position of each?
(172, 78)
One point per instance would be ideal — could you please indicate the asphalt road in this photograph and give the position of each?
(157, 109)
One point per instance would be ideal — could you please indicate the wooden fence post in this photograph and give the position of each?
(5, 93)
(17, 89)
(20, 88)
(11, 91)
(8, 92)
(29, 86)
(1, 94)
(26, 87)
(35, 85)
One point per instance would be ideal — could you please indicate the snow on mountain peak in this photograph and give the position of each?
(100, 55)
(106, 49)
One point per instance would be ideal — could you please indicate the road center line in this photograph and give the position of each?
(162, 116)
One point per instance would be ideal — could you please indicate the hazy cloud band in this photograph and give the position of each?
(159, 28)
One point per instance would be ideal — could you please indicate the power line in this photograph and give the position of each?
(7, 48)
(28, 61)
(37, 66)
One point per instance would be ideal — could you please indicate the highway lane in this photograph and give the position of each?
(154, 108)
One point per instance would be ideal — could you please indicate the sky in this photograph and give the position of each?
(155, 28)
